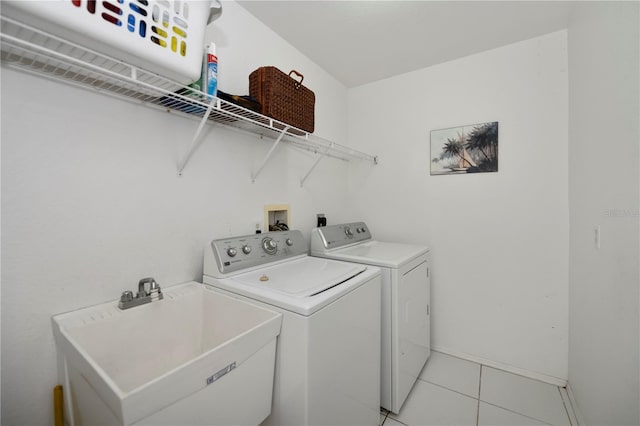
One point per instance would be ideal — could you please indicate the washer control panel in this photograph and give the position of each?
(238, 253)
(334, 236)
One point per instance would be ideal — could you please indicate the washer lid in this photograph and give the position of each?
(303, 278)
(379, 253)
(302, 285)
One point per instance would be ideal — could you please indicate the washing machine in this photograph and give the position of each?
(328, 351)
(406, 299)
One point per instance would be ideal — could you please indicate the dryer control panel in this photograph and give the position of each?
(237, 254)
(334, 236)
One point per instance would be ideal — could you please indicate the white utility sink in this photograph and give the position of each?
(196, 357)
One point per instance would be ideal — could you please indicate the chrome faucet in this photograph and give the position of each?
(143, 296)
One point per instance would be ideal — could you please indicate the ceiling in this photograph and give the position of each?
(362, 41)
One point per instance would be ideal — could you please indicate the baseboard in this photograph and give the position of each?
(502, 366)
(574, 406)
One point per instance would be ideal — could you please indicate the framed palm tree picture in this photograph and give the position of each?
(465, 149)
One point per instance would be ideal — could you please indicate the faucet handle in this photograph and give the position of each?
(126, 300)
(127, 296)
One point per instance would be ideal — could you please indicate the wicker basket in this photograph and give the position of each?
(283, 97)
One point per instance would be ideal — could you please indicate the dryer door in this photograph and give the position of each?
(412, 319)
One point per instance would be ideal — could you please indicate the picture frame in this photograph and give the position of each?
(471, 148)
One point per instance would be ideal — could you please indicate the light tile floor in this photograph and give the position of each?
(456, 392)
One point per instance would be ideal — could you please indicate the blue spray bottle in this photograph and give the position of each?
(212, 72)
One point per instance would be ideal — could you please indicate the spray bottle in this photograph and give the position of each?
(212, 72)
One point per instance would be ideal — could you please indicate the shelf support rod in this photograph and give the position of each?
(196, 136)
(302, 181)
(254, 176)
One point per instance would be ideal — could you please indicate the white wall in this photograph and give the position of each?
(499, 240)
(91, 201)
(604, 187)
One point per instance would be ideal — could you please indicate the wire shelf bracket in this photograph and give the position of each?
(255, 175)
(324, 154)
(195, 141)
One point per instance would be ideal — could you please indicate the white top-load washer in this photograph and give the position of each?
(327, 355)
(405, 301)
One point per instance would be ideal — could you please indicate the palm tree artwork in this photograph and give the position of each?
(465, 149)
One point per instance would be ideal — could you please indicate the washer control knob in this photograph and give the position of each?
(269, 245)
(231, 252)
(289, 242)
(246, 249)
(363, 230)
(348, 232)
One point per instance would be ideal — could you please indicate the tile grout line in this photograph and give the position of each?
(386, 414)
(539, 419)
(444, 387)
(509, 409)
(479, 388)
(563, 399)
(520, 414)
(564, 404)
(395, 420)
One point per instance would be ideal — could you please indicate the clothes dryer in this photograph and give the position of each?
(327, 355)
(406, 287)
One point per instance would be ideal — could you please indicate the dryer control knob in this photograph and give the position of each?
(246, 249)
(232, 252)
(289, 242)
(269, 245)
(348, 232)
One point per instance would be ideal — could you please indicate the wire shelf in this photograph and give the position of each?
(34, 51)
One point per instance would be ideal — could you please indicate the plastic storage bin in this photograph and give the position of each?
(165, 37)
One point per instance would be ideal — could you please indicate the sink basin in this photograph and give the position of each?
(195, 357)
